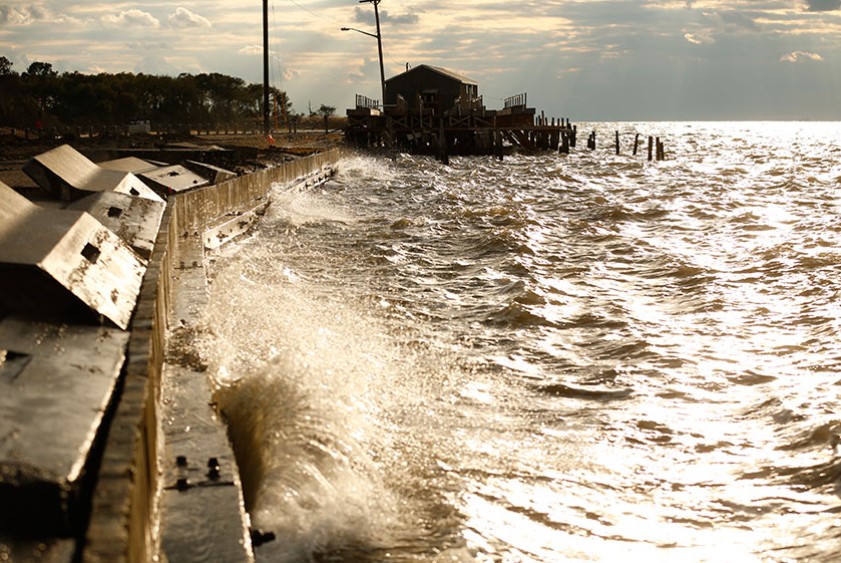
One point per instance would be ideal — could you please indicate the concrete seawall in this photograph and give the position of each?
(153, 477)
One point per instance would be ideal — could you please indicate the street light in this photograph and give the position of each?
(379, 38)
(374, 35)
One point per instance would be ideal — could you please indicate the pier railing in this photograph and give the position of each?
(518, 100)
(364, 102)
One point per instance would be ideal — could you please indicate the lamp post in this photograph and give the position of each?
(379, 39)
(265, 67)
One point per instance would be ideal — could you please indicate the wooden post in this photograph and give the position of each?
(442, 143)
(650, 147)
(564, 142)
(636, 143)
(574, 139)
(617, 142)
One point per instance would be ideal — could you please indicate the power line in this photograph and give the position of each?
(310, 12)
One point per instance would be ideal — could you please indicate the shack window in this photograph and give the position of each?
(430, 97)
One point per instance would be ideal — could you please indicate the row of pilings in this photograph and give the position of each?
(560, 138)
(463, 135)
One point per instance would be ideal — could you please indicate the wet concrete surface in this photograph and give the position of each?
(202, 509)
(57, 382)
(56, 263)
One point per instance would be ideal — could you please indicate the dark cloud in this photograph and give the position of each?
(22, 15)
(822, 5)
(739, 19)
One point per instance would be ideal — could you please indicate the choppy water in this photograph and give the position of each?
(552, 358)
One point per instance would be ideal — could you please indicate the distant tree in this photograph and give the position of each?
(326, 112)
(73, 98)
(10, 94)
(40, 91)
(5, 66)
(40, 70)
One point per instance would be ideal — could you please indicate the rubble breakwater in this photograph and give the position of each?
(110, 445)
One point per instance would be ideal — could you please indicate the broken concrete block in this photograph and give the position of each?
(58, 381)
(213, 174)
(173, 179)
(135, 220)
(67, 174)
(129, 164)
(65, 264)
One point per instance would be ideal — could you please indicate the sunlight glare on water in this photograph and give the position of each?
(547, 359)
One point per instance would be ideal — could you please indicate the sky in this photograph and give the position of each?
(587, 60)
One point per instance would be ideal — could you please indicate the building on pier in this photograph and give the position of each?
(433, 110)
(431, 89)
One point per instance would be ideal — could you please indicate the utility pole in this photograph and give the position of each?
(266, 67)
(379, 43)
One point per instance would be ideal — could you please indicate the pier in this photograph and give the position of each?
(432, 110)
(472, 132)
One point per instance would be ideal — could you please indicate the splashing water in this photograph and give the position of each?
(548, 359)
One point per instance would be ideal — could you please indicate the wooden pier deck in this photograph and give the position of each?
(425, 131)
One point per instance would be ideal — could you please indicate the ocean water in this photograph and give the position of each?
(549, 358)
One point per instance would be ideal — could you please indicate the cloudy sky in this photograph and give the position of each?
(585, 59)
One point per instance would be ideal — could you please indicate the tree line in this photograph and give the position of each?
(42, 97)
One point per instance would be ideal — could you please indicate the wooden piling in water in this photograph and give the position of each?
(636, 143)
(442, 143)
(617, 142)
(650, 147)
(498, 144)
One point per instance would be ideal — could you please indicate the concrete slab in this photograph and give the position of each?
(231, 226)
(57, 381)
(135, 220)
(201, 480)
(213, 174)
(51, 550)
(67, 174)
(173, 179)
(129, 164)
(200, 477)
(63, 264)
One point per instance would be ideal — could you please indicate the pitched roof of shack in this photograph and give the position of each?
(439, 70)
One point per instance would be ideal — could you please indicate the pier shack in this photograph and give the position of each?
(432, 110)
